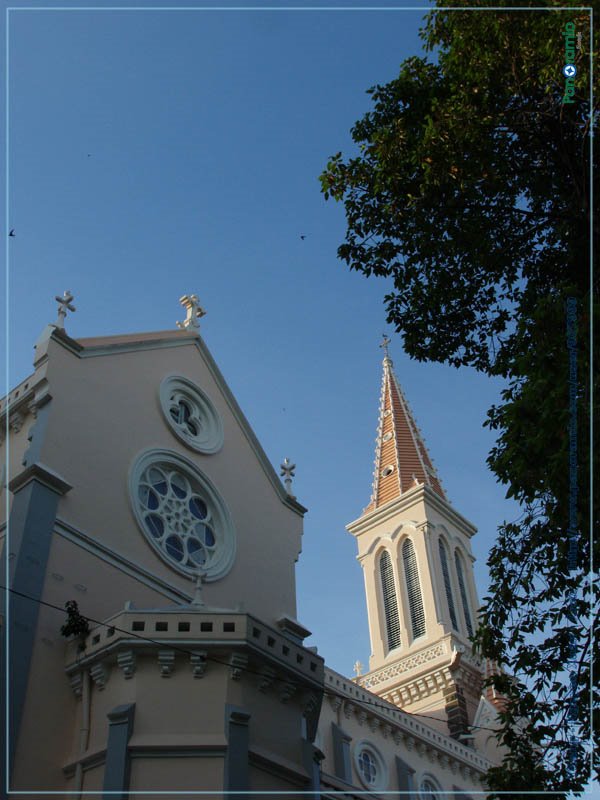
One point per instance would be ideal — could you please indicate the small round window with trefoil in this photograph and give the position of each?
(190, 414)
(182, 515)
(370, 765)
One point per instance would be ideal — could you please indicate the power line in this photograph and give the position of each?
(214, 660)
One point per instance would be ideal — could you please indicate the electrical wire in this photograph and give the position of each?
(214, 660)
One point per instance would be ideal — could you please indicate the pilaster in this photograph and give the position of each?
(37, 491)
(116, 770)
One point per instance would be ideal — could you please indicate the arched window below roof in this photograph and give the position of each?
(413, 589)
(390, 603)
(447, 584)
(460, 574)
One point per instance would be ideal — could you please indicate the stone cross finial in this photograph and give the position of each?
(194, 312)
(384, 344)
(358, 668)
(64, 305)
(287, 472)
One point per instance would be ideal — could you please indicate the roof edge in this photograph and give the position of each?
(421, 492)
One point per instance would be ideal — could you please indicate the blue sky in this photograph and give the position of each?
(157, 153)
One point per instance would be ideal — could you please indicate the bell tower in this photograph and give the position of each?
(415, 551)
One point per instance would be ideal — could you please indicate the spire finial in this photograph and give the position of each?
(194, 312)
(64, 305)
(384, 344)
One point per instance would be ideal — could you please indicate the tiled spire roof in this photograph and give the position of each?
(401, 458)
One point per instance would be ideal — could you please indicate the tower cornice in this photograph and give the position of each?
(419, 494)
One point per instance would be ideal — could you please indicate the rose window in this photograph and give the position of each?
(182, 515)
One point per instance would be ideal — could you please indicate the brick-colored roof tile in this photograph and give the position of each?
(404, 451)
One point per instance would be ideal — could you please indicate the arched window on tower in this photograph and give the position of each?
(447, 584)
(413, 589)
(460, 573)
(390, 604)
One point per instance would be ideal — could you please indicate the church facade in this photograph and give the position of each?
(136, 487)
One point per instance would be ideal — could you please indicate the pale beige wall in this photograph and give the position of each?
(50, 706)
(105, 411)
(93, 780)
(275, 727)
(16, 444)
(164, 773)
(181, 711)
(48, 714)
(260, 780)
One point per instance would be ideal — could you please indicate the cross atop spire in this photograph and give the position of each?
(401, 458)
(384, 344)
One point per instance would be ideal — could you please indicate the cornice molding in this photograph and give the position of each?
(41, 474)
(111, 644)
(409, 499)
(410, 662)
(449, 651)
(404, 726)
(163, 339)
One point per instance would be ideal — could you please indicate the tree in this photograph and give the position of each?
(470, 190)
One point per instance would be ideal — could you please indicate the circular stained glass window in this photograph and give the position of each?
(190, 414)
(182, 515)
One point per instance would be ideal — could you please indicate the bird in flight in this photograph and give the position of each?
(303, 236)
(12, 232)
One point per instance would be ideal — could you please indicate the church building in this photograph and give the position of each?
(134, 485)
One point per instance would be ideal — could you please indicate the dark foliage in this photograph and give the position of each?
(471, 190)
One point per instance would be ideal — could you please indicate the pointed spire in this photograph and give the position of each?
(401, 458)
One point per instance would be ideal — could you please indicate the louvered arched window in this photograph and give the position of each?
(447, 584)
(413, 589)
(460, 573)
(390, 604)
